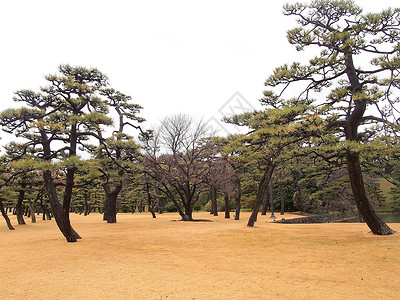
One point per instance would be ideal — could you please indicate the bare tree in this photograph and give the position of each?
(177, 153)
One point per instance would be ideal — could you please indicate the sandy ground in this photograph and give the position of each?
(145, 258)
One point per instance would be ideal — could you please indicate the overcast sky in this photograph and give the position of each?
(170, 56)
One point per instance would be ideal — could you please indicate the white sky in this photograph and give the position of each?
(170, 56)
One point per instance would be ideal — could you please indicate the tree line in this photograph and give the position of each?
(328, 129)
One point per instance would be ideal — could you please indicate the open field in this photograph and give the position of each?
(145, 258)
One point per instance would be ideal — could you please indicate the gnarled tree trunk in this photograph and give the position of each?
(266, 203)
(227, 205)
(5, 216)
(214, 204)
(19, 207)
(364, 207)
(238, 199)
(262, 189)
(353, 121)
(188, 215)
(60, 213)
(110, 209)
(32, 205)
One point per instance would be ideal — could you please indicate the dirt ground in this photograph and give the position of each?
(145, 258)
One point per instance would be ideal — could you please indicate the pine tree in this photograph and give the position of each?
(356, 72)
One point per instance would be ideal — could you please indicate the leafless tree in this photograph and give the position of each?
(176, 160)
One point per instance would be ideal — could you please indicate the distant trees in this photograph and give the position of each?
(88, 191)
(221, 177)
(324, 124)
(226, 174)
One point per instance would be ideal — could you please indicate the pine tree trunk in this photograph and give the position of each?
(364, 207)
(32, 205)
(5, 216)
(214, 204)
(105, 212)
(266, 203)
(238, 199)
(87, 209)
(227, 206)
(69, 232)
(19, 208)
(354, 120)
(112, 208)
(262, 189)
(60, 213)
(110, 211)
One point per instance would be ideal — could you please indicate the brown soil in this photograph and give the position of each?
(145, 258)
